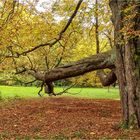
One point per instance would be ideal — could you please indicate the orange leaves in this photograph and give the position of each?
(129, 13)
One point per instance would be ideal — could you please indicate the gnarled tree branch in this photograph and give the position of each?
(94, 62)
(107, 79)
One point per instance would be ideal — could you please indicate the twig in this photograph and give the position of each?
(41, 89)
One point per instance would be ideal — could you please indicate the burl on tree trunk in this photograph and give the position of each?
(127, 45)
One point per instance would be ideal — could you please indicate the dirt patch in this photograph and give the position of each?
(62, 118)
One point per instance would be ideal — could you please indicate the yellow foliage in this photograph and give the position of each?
(28, 27)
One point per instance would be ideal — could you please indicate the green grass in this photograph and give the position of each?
(31, 92)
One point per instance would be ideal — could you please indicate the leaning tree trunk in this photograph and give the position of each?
(127, 42)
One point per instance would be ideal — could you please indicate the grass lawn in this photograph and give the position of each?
(31, 92)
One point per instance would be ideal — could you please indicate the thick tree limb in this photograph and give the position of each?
(107, 79)
(95, 62)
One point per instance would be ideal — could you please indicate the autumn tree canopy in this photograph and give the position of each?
(42, 40)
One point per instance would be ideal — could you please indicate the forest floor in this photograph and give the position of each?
(62, 118)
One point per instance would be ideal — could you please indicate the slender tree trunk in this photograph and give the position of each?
(128, 60)
(97, 28)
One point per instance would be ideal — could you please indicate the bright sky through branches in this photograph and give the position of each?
(43, 5)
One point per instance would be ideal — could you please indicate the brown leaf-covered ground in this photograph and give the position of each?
(61, 119)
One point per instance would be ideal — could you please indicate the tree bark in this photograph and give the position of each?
(127, 62)
(107, 79)
(95, 62)
(49, 88)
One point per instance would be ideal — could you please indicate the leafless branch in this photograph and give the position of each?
(64, 91)
(22, 82)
